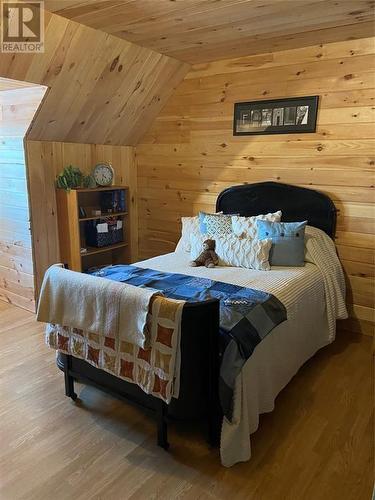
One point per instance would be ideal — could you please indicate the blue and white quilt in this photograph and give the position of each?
(246, 315)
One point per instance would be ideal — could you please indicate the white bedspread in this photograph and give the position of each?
(314, 296)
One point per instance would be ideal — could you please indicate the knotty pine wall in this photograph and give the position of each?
(44, 161)
(18, 104)
(190, 154)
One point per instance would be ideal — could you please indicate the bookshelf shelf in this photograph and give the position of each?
(103, 216)
(94, 250)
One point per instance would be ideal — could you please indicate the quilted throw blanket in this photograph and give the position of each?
(246, 315)
(155, 370)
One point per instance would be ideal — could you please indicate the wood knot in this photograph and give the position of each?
(114, 63)
(349, 76)
(137, 85)
(58, 69)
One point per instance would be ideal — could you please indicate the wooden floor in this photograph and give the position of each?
(317, 444)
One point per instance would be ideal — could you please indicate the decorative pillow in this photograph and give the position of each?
(288, 241)
(247, 226)
(202, 222)
(236, 252)
(218, 225)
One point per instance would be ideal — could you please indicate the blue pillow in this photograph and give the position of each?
(288, 241)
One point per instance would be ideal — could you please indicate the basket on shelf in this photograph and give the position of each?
(104, 232)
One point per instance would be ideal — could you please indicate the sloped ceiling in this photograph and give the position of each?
(206, 30)
(102, 89)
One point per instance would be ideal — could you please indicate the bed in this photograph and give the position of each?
(275, 360)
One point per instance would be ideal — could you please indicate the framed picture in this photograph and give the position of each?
(277, 116)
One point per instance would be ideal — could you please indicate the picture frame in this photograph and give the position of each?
(292, 115)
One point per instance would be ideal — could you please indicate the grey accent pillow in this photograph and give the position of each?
(288, 242)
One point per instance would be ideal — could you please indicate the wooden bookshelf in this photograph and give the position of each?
(73, 228)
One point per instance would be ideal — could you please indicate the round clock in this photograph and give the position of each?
(103, 174)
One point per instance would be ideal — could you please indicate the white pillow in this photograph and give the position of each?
(247, 226)
(190, 225)
(236, 252)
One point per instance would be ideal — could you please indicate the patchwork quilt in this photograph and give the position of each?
(155, 370)
(246, 315)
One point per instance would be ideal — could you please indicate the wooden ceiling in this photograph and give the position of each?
(102, 90)
(205, 30)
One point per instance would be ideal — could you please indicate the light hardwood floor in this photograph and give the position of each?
(317, 444)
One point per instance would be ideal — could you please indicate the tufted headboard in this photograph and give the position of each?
(296, 203)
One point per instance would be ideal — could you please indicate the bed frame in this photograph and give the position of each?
(200, 340)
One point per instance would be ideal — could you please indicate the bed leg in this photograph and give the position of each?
(162, 410)
(69, 380)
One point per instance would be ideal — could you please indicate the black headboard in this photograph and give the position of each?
(296, 203)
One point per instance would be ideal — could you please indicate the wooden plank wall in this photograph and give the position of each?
(45, 160)
(18, 105)
(190, 154)
(103, 90)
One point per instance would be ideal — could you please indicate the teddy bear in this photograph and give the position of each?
(208, 257)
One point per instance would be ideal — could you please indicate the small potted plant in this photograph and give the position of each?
(72, 178)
